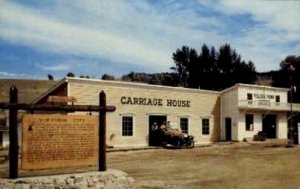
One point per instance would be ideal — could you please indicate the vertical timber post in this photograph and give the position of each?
(102, 132)
(13, 134)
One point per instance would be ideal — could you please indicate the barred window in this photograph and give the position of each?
(127, 126)
(184, 125)
(205, 126)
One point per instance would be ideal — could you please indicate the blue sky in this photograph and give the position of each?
(94, 37)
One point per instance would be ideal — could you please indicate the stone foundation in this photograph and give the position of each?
(110, 179)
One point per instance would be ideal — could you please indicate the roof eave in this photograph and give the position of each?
(60, 83)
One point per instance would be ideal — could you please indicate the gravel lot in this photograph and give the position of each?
(238, 165)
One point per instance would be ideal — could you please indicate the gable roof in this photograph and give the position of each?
(119, 84)
(28, 89)
(253, 86)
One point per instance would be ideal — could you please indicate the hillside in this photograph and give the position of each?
(265, 78)
(28, 89)
(31, 89)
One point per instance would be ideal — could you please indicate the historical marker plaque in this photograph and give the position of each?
(56, 141)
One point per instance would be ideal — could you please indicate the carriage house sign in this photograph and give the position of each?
(154, 102)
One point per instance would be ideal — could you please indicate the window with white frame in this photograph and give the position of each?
(205, 126)
(127, 125)
(184, 125)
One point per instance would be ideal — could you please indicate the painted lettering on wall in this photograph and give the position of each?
(154, 102)
(263, 96)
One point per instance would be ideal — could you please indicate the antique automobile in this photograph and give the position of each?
(169, 137)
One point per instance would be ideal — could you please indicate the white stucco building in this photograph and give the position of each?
(247, 109)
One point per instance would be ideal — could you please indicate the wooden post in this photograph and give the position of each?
(102, 131)
(13, 134)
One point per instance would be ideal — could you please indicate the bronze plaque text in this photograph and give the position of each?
(56, 141)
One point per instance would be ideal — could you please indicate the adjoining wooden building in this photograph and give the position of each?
(234, 114)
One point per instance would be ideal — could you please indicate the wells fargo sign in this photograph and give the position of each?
(52, 141)
(154, 102)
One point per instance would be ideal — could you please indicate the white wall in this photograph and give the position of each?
(202, 103)
(230, 108)
(268, 94)
(229, 103)
(282, 127)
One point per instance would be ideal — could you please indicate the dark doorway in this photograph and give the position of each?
(158, 120)
(269, 125)
(1, 139)
(228, 129)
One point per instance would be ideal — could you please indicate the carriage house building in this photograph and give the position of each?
(210, 116)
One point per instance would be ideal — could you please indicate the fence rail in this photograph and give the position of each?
(53, 107)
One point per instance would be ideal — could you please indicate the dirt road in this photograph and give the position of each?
(238, 165)
(227, 166)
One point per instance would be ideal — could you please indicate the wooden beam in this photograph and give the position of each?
(102, 133)
(56, 107)
(66, 99)
(13, 134)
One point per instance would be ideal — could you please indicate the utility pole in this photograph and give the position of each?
(291, 69)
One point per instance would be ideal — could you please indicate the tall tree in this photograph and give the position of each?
(285, 76)
(183, 59)
(215, 75)
(232, 69)
(226, 64)
(206, 68)
(245, 72)
(211, 70)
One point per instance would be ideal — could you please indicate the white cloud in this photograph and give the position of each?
(12, 75)
(23, 25)
(268, 42)
(55, 67)
(112, 30)
(145, 35)
(6, 74)
(279, 15)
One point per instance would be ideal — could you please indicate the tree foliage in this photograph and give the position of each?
(84, 76)
(70, 74)
(286, 77)
(168, 79)
(50, 77)
(107, 77)
(210, 69)
(184, 59)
